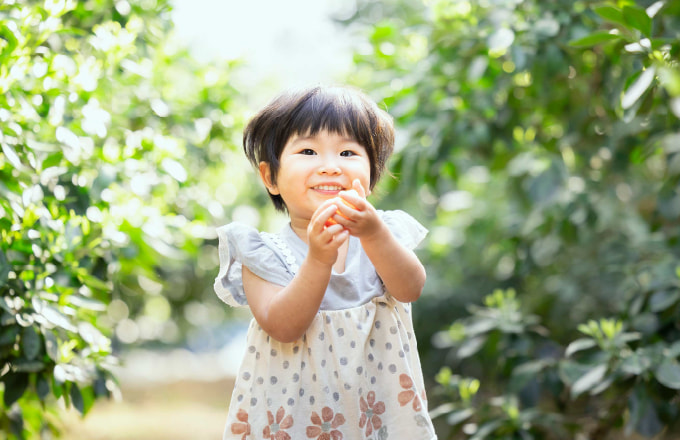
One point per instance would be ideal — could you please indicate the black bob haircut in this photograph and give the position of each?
(342, 110)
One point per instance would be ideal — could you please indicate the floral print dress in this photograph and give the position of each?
(355, 373)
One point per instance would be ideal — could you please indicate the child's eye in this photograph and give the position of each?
(307, 152)
(348, 153)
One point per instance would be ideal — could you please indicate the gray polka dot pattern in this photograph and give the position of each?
(365, 353)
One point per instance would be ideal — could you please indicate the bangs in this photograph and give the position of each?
(334, 111)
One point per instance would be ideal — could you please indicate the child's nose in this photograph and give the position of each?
(329, 167)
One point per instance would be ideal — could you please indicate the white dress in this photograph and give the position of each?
(355, 373)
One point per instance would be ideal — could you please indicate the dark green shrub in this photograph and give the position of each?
(542, 149)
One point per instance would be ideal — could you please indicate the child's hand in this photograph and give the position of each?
(331, 220)
(355, 213)
(325, 240)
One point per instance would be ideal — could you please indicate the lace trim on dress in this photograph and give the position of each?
(285, 250)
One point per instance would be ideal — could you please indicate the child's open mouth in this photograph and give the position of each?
(333, 188)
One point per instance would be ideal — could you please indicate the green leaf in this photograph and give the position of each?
(77, 398)
(628, 336)
(4, 268)
(470, 347)
(674, 350)
(531, 368)
(8, 335)
(30, 342)
(579, 345)
(458, 417)
(16, 422)
(588, 381)
(88, 396)
(570, 371)
(643, 414)
(603, 385)
(94, 282)
(528, 372)
(51, 345)
(543, 188)
(668, 373)
(611, 14)
(86, 303)
(8, 35)
(646, 323)
(57, 318)
(12, 156)
(594, 38)
(638, 19)
(638, 88)
(487, 429)
(662, 300)
(42, 386)
(635, 364)
(57, 387)
(15, 386)
(479, 326)
(99, 387)
(26, 366)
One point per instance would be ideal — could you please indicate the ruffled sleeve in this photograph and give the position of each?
(238, 245)
(405, 228)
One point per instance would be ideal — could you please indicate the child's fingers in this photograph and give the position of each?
(344, 213)
(352, 199)
(340, 238)
(323, 207)
(321, 216)
(333, 229)
(352, 206)
(356, 185)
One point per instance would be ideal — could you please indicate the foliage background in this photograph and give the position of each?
(538, 141)
(112, 181)
(542, 141)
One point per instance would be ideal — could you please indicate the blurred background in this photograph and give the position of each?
(538, 142)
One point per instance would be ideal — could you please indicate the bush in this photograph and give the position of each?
(114, 146)
(542, 142)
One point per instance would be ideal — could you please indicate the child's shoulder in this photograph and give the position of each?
(243, 245)
(237, 229)
(245, 242)
(248, 239)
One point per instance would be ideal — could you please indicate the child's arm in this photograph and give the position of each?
(285, 313)
(398, 267)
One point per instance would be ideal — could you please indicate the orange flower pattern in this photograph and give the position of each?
(325, 427)
(242, 426)
(276, 428)
(370, 412)
(410, 392)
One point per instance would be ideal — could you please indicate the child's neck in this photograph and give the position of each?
(300, 230)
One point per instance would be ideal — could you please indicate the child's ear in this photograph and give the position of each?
(266, 176)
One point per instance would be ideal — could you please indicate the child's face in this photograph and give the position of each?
(314, 169)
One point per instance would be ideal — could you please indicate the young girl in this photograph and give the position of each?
(331, 352)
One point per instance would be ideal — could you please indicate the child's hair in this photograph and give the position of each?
(342, 110)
